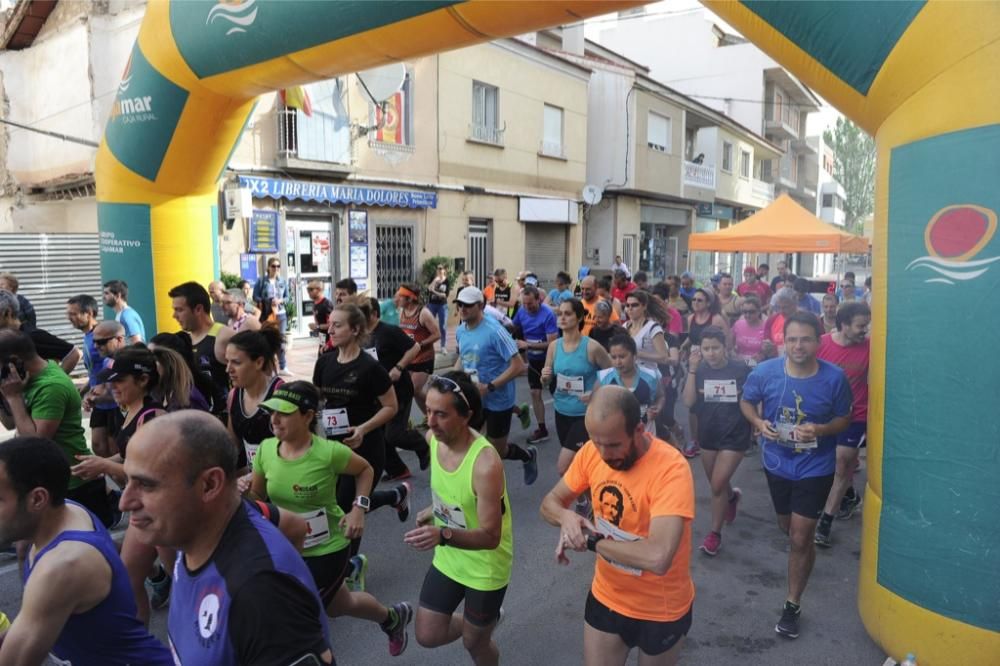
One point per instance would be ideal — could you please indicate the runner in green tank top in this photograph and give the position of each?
(469, 525)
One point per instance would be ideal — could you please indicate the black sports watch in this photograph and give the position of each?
(444, 536)
(491, 387)
(592, 542)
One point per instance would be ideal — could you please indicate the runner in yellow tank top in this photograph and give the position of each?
(469, 525)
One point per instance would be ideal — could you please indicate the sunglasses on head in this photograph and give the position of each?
(447, 385)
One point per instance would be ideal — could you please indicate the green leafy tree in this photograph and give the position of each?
(854, 169)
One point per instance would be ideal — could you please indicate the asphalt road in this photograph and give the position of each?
(738, 598)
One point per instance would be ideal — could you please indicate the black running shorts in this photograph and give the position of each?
(651, 637)
(441, 594)
(806, 497)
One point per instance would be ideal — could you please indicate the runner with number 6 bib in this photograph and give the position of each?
(299, 471)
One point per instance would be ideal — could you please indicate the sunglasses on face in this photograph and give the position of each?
(446, 385)
(100, 342)
(274, 266)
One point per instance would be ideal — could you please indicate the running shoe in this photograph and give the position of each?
(788, 625)
(849, 506)
(398, 637)
(711, 544)
(734, 502)
(525, 415)
(691, 450)
(405, 474)
(161, 589)
(356, 580)
(402, 506)
(822, 537)
(531, 466)
(539, 435)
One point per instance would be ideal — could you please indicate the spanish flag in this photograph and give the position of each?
(297, 97)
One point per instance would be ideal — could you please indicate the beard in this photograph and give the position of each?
(19, 528)
(625, 463)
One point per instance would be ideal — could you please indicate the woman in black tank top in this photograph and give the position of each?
(250, 363)
(705, 313)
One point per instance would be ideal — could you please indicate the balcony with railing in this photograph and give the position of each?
(781, 121)
(487, 134)
(762, 191)
(313, 143)
(699, 175)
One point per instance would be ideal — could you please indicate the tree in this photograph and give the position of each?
(854, 169)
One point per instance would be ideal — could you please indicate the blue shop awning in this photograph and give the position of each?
(304, 190)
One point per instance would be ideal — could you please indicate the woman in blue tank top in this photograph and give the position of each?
(572, 363)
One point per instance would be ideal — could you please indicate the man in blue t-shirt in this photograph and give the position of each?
(489, 355)
(535, 325)
(105, 417)
(804, 402)
(116, 298)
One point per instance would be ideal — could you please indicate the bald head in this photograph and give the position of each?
(612, 401)
(192, 440)
(216, 290)
(109, 328)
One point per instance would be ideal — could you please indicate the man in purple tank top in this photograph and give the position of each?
(77, 603)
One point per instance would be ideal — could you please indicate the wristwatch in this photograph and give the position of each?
(592, 542)
(444, 536)
(491, 387)
(400, 368)
(364, 502)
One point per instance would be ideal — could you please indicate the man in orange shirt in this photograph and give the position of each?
(643, 498)
(590, 299)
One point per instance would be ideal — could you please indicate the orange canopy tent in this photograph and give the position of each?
(784, 226)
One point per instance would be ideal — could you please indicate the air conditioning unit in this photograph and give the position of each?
(239, 203)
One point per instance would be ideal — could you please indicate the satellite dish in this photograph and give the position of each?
(383, 82)
(592, 195)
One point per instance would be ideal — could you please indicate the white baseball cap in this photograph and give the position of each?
(470, 296)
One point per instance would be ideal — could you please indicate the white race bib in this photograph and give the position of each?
(317, 527)
(452, 516)
(569, 384)
(251, 450)
(335, 421)
(720, 390)
(786, 438)
(373, 352)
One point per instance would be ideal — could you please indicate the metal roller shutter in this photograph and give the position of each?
(545, 252)
(49, 269)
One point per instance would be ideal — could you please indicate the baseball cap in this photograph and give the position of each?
(122, 367)
(531, 279)
(748, 270)
(470, 296)
(288, 401)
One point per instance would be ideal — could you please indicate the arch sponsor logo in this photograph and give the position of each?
(236, 15)
(953, 238)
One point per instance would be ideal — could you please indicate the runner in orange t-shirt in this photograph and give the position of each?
(643, 497)
(590, 299)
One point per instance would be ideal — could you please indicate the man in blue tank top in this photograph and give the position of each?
(77, 603)
(241, 592)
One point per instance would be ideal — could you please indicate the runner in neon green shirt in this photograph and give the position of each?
(469, 525)
(298, 471)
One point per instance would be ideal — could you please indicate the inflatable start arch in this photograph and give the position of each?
(921, 76)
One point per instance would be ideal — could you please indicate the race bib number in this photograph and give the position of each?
(787, 438)
(750, 361)
(317, 527)
(720, 390)
(613, 532)
(373, 352)
(251, 450)
(448, 514)
(571, 385)
(335, 421)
